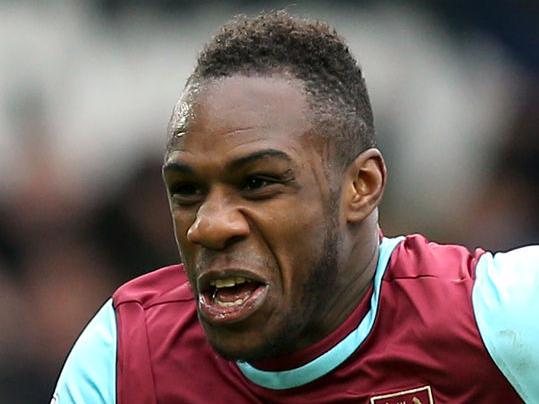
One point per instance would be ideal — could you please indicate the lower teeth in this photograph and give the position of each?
(229, 304)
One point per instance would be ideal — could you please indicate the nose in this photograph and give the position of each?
(218, 223)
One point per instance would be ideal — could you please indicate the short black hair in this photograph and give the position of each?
(310, 51)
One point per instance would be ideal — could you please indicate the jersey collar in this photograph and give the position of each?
(325, 363)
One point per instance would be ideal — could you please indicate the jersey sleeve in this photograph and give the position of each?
(89, 373)
(506, 305)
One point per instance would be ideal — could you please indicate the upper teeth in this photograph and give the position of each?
(228, 282)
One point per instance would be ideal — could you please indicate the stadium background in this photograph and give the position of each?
(87, 87)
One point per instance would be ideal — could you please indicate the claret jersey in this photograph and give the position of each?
(440, 324)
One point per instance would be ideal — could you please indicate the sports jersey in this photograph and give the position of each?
(439, 324)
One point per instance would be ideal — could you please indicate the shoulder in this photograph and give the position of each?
(89, 373)
(164, 285)
(417, 257)
(506, 306)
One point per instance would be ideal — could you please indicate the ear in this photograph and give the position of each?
(364, 184)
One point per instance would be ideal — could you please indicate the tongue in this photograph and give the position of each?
(236, 292)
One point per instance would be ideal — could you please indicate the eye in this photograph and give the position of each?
(254, 183)
(262, 187)
(186, 193)
(185, 189)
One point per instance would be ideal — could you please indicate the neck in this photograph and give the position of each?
(353, 280)
(323, 357)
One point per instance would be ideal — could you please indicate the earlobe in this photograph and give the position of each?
(365, 183)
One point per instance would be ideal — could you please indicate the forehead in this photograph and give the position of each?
(240, 110)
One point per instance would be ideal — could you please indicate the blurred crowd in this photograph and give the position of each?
(455, 90)
(61, 258)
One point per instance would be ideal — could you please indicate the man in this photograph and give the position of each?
(288, 292)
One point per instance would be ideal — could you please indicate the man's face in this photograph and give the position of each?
(254, 216)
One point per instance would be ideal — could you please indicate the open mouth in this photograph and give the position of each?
(230, 299)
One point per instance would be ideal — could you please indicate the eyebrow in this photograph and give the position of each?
(256, 156)
(178, 167)
(183, 168)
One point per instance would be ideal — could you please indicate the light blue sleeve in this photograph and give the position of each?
(506, 305)
(89, 374)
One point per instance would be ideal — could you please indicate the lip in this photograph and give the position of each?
(218, 315)
(203, 280)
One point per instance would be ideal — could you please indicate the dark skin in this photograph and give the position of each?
(254, 189)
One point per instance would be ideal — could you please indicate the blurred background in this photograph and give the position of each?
(87, 87)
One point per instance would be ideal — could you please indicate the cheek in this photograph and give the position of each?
(297, 240)
(181, 222)
(181, 225)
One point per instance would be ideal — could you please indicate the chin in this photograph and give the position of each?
(239, 348)
(235, 355)
(245, 346)
(261, 336)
